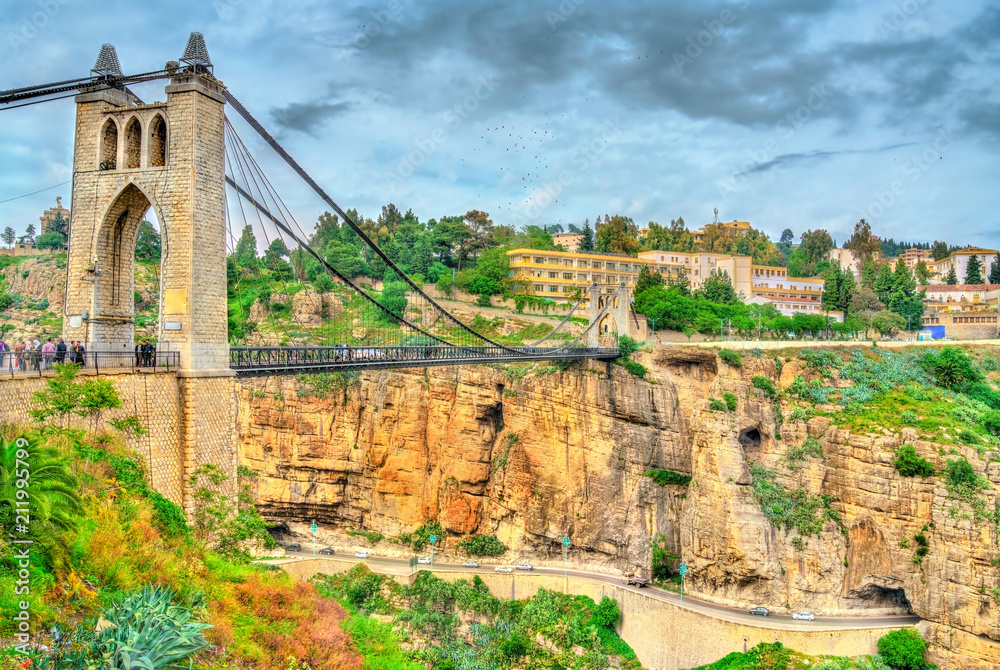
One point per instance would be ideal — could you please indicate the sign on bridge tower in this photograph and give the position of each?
(129, 157)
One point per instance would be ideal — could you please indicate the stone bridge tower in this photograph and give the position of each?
(131, 157)
(619, 319)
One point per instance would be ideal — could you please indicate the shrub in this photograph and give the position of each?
(765, 385)
(795, 455)
(638, 369)
(730, 399)
(627, 346)
(909, 464)
(482, 545)
(716, 405)
(991, 421)
(908, 417)
(732, 358)
(662, 565)
(952, 368)
(989, 364)
(985, 394)
(668, 477)
(961, 478)
(903, 649)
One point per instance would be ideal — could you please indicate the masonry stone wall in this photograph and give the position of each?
(154, 398)
(191, 421)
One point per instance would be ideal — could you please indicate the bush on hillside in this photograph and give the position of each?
(903, 649)
(731, 358)
(765, 385)
(909, 464)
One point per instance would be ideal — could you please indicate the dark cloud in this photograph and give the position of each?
(306, 116)
(784, 160)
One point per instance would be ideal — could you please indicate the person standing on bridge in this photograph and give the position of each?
(48, 353)
(81, 355)
(61, 351)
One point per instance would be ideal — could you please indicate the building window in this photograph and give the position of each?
(538, 288)
(109, 146)
(553, 275)
(568, 263)
(157, 142)
(133, 144)
(581, 264)
(539, 260)
(553, 289)
(567, 275)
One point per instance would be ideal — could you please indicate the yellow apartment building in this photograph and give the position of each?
(959, 260)
(739, 226)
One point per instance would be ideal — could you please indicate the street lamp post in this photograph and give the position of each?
(314, 527)
(433, 538)
(654, 327)
(683, 571)
(565, 544)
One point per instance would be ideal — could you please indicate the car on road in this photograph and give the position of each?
(525, 566)
(470, 564)
(804, 616)
(293, 547)
(504, 568)
(326, 551)
(424, 559)
(633, 579)
(759, 610)
(361, 554)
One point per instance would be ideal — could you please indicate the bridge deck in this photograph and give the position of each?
(248, 361)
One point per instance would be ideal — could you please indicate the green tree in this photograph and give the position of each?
(64, 395)
(29, 233)
(939, 250)
(647, 280)
(59, 225)
(617, 234)
(951, 278)
(863, 243)
(994, 277)
(53, 241)
(884, 284)
(393, 298)
(787, 236)
(587, 241)
(887, 322)
(675, 237)
(147, 242)
(345, 258)
(816, 245)
(246, 249)
(9, 236)
(974, 270)
(903, 649)
(922, 272)
(231, 527)
(718, 287)
(490, 272)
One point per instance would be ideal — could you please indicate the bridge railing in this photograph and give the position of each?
(248, 358)
(36, 363)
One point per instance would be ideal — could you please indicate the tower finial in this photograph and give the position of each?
(196, 54)
(107, 64)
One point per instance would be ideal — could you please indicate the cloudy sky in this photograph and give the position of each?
(792, 113)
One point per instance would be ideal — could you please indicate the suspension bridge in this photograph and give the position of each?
(185, 161)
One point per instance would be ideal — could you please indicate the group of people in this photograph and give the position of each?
(145, 354)
(36, 356)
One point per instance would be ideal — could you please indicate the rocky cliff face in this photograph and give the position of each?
(563, 453)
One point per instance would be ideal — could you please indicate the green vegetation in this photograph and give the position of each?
(324, 384)
(795, 456)
(626, 347)
(909, 464)
(792, 510)
(482, 545)
(732, 358)
(766, 386)
(668, 477)
(903, 649)
(730, 400)
(716, 405)
(421, 537)
(664, 562)
(497, 634)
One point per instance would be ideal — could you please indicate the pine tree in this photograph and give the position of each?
(246, 248)
(9, 236)
(952, 278)
(994, 277)
(884, 284)
(587, 241)
(974, 270)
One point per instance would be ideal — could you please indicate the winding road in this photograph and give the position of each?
(777, 621)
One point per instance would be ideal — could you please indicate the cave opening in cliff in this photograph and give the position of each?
(750, 439)
(882, 598)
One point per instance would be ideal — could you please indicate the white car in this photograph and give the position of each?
(424, 559)
(470, 564)
(361, 554)
(525, 566)
(504, 568)
(804, 616)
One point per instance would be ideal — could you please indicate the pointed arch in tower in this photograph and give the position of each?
(133, 144)
(109, 145)
(157, 141)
